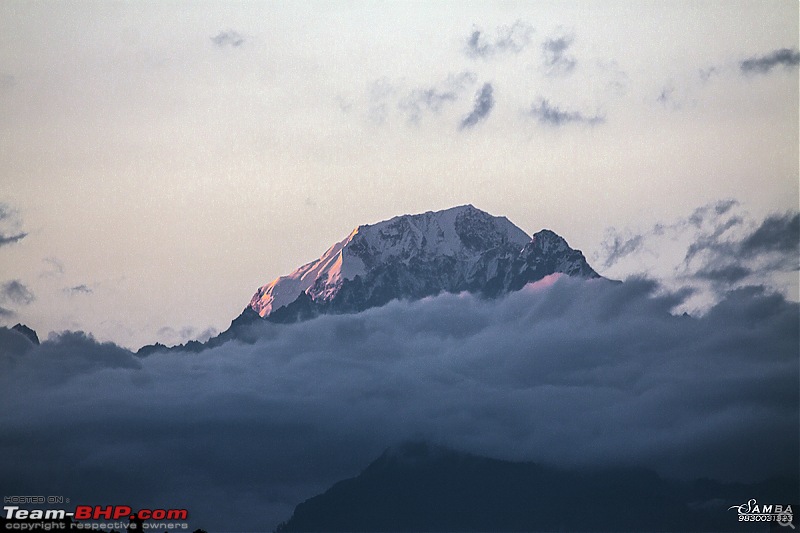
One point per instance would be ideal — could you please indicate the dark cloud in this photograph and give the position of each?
(616, 247)
(711, 212)
(10, 239)
(79, 289)
(723, 206)
(722, 247)
(773, 245)
(6, 313)
(784, 57)
(555, 55)
(552, 115)
(228, 38)
(565, 372)
(9, 217)
(431, 99)
(728, 274)
(507, 39)
(484, 102)
(16, 292)
(712, 241)
(778, 234)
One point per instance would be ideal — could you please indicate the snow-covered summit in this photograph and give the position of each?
(413, 256)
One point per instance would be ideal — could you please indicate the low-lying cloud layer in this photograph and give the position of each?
(564, 372)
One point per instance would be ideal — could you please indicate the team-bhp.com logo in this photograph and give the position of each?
(751, 511)
(86, 517)
(116, 512)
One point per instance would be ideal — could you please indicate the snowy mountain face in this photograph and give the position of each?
(414, 256)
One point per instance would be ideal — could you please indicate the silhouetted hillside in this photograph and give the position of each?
(419, 487)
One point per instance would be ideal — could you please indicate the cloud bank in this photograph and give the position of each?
(564, 372)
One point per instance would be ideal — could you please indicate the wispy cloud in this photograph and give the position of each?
(228, 38)
(784, 57)
(546, 113)
(10, 239)
(431, 99)
(484, 102)
(54, 268)
(79, 289)
(777, 234)
(556, 60)
(728, 274)
(381, 95)
(16, 292)
(666, 95)
(10, 219)
(172, 336)
(616, 246)
(506, 39)
(708, 73)
(717, 247)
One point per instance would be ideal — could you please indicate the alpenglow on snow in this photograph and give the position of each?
(414, 256)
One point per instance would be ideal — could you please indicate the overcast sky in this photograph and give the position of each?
(161, 160)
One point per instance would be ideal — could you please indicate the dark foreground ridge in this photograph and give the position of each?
(420, 487)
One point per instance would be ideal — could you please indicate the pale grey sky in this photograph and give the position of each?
(164, 159)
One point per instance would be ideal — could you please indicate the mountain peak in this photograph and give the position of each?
(29, 333)
(412, 256)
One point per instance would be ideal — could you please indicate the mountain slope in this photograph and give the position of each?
(414, 256)
(420, 487)
(406, 257)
